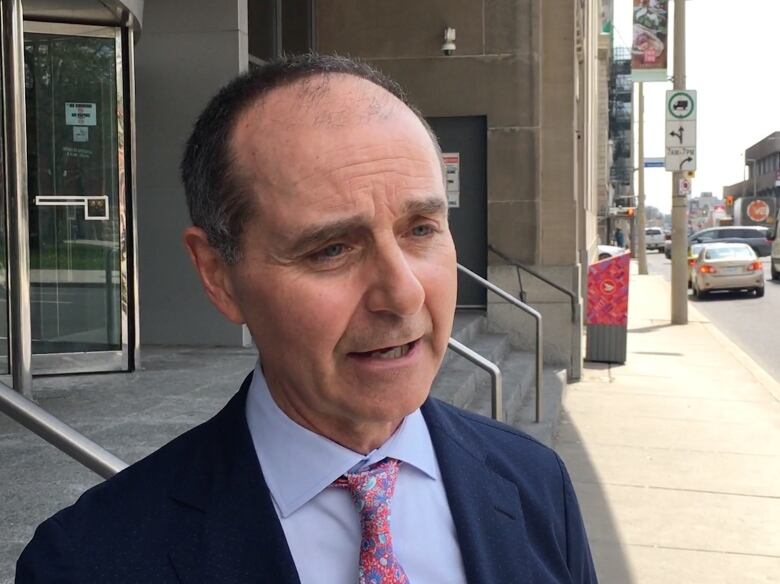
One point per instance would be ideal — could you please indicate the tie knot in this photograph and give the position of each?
(373, 487)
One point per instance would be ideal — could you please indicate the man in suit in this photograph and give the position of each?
(320, 221)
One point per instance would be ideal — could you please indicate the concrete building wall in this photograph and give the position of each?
(493, 73)
(517, 64)
(183, 57)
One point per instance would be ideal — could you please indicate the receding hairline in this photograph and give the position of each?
(312, 89)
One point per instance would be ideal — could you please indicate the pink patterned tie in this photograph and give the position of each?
(371, 491)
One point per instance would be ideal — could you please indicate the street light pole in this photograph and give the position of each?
(679, 202)
(752, 162)
(641, 243)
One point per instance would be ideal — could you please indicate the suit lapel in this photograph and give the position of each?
(485, 507)
(229, 530)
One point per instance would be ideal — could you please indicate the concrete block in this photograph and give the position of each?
(557, 329)
(501, 87)
(376, 29)
(512, 26)
(513, 164)
(512, 228)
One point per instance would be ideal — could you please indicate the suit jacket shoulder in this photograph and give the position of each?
(509, 491)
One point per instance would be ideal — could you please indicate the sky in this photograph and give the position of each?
(731, 60)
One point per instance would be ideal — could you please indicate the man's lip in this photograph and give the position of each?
(412, 343)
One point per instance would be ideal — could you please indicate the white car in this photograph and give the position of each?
(608, 251)
(655, 238)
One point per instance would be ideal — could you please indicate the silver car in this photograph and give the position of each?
(727, 266)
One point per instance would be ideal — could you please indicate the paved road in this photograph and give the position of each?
(752, 323)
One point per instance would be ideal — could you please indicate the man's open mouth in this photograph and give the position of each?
(388, 352)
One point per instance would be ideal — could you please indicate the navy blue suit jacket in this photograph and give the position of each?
(198, 510)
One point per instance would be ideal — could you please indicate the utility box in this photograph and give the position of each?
(607, 310)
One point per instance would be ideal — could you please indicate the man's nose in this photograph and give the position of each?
(395, 286)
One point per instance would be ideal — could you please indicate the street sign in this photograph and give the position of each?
(654, 162)
(681, 133)
(681, 106)
(680, 159)
(685, 187)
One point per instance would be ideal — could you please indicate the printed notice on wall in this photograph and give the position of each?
(80, 134)
(80, 114)
(452, 168)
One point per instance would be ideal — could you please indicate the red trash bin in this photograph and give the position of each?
(607, 310)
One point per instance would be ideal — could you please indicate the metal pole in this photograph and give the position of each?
(58, 434)
(15, 146)
(528, 310)
(754, 177)
(641, 252)
(679, 202)
(496, 391)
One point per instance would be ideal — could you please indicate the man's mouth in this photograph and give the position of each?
(388, 353)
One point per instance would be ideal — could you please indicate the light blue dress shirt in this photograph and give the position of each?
(320, 522)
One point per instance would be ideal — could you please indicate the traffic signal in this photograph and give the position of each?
(729, 200)
(630, 211)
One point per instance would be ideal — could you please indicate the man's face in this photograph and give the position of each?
(347, 280)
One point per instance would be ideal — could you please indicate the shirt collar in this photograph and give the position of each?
(298, 463)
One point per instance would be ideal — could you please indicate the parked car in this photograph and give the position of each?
(608, 251)
(727, 266)
(755, 236)
(654, 238)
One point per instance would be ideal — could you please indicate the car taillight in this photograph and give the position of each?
(707, 269)
(755, 266)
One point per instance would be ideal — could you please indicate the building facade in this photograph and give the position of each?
(111, 91)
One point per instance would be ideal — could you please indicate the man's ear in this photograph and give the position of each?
(214, 273)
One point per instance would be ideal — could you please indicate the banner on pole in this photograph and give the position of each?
(650, 47)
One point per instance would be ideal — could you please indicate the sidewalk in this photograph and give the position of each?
(676, 454)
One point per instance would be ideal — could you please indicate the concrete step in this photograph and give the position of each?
(465, 385)
(458, 378)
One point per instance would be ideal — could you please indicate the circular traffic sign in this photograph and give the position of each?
(681, 105)
(758, 211)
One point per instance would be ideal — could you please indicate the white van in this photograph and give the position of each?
(774, 262)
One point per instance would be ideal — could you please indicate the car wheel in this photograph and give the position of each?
(760, 292)
(773, 271)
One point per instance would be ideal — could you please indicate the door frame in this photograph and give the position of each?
(99, 361)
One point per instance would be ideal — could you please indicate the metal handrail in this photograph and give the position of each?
(58, 434)
(496, 387)
(518, 265)
(528, 310)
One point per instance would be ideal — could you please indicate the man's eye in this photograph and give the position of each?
(330, 252)
(422, 230)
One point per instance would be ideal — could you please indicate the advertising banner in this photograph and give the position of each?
(608, 291)
(650, 47)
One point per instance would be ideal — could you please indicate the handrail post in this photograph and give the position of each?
(496, 385)
(15, 154)
(58, 434)
(528, 310)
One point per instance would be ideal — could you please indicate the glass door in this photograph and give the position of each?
(76, 177)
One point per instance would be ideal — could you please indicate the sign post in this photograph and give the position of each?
(681, 107)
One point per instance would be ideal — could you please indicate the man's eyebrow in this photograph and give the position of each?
(428, 206)
(311, 237)
(316, 235)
